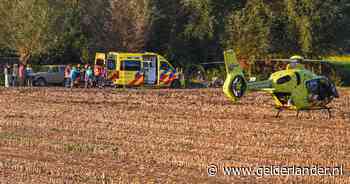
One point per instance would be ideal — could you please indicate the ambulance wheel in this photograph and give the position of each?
(238, 86)
(175, 84)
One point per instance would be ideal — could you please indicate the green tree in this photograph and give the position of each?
(315, 24)
(249, 30)
(130, 24)
(182, 30)
(82, 29)
(71, 40)
(26, 26)
(96, 23)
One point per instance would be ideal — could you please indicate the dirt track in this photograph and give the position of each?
(161, 136)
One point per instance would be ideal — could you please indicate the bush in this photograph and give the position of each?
(341, 74)
(216, 73)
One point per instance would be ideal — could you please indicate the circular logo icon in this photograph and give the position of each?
(212, 170)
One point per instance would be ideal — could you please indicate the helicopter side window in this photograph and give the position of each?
(284, 79)
(298, 78)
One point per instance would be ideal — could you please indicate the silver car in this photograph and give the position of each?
(49, 74)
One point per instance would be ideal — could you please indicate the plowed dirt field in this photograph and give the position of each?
(56, 135)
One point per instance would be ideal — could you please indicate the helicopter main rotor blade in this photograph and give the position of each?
(304, 61)
(278, 60)
(213, 63)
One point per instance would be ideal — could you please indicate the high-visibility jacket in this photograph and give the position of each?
(97, 70)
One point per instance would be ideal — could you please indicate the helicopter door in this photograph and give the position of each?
(150, 69)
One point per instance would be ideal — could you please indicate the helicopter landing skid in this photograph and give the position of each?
(281, 109)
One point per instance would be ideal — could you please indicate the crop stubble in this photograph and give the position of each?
(54, 135)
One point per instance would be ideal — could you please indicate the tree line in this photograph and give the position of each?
(185, 31)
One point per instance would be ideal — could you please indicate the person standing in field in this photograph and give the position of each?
(67, 76)
(74, 74)
(6, 73)
(104, 75)
(28, 76)
(82, 74)
(79, 78)
(21, 74)
(14, 75)
(98, 75)
(88, 77)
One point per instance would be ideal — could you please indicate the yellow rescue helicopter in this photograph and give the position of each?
(294, 88)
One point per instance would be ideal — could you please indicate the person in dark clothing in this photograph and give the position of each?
(67, 76)
(14, 75)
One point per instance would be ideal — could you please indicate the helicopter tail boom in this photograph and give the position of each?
(260, 86)
(235, 85)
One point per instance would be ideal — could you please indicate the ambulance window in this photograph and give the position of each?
(150, 58)
(165, 66)
(111, 64)
(130, 65)
(100, 62)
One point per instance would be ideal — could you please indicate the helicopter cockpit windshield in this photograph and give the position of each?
(321, 91)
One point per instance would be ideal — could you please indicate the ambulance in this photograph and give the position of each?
(138, 69)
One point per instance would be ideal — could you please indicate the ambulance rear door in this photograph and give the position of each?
(150, 69)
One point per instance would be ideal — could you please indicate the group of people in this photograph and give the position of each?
(74, 75)
(18, 75)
